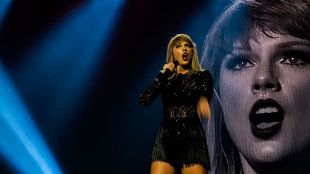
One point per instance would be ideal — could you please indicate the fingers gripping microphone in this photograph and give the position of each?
(176, 63)
(168, 71)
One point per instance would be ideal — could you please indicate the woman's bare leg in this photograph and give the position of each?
(160, 167)
(194, 169)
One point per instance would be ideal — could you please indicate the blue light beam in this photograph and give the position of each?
(20, 141)
(4, 6)
(60, 68)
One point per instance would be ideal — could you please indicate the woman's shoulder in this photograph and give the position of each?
(204, 73)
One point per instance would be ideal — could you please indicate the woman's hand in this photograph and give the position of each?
(169, 66)
(203, 108)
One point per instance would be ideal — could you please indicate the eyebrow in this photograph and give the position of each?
(239, 51)
(292, 43)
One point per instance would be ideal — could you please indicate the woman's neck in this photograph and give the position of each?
(182, 70)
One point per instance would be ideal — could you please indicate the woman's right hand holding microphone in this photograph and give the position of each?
(168, 67)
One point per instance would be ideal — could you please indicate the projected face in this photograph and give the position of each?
(183, 52)
(265, 91)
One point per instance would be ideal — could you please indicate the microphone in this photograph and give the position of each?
(176, 63)
(167, 71)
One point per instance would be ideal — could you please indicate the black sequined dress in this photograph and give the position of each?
(181, 138)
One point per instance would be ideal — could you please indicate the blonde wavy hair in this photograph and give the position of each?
(195, 66)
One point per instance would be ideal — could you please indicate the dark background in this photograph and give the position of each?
(108, 132)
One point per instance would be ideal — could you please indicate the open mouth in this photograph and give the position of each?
(185, 56)
(266, 118)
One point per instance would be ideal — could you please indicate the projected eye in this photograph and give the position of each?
(292, 61)
(238, 63)
(295, 58)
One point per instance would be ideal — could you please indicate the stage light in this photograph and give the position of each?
(4, 6)
(20, 141)
(64, 62)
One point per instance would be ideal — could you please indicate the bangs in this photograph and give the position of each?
(242, 19)
(287, 17)
(182, 38)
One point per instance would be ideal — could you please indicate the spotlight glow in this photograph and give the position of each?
(20, 141)
(4, 6)
(64, 61)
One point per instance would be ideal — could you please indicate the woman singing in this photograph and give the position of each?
(181, 144)
(258, 52)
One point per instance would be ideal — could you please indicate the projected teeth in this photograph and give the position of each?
(267, 110)
(266, 125)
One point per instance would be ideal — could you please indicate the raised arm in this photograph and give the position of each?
(150, 94)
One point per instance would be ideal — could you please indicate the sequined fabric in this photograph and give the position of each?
(181, 137)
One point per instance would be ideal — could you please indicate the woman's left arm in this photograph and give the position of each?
(205, 90)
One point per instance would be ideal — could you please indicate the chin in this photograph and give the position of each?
(268, 151)
(187, 64)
